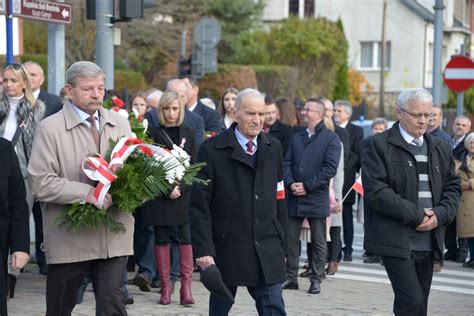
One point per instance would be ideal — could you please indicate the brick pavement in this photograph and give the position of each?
(338, 297)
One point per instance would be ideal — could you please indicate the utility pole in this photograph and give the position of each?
(104, 41)
(382, 63)
(437, 49)
(9, 29)
(460, 96)
(56, 56)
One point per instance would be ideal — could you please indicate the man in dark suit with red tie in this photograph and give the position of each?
(239, 219)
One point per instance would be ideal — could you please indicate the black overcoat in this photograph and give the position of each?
(14, 215)
(211, 118)
(164, 211)
(356, 135)
(282, 132)
(237, 217)
(390, 179)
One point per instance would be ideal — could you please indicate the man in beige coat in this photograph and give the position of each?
(81, 128)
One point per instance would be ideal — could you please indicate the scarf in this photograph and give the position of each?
(30, 116)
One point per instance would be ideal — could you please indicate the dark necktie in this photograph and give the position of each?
(250, 147)
(94, 131)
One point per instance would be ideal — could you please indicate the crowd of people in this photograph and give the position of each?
(278, 175)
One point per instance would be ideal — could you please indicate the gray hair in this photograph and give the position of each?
(379, 121)
(413, 94)
(155, 94)
(468, 139)
(174, 82)
(463, 117)
(82, 69)
(346, 104)
(33, 63)
(245, 93)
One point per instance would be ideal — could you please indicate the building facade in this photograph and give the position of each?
(409, 35)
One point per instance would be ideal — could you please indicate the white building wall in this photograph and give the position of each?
(411, 38)
(276, 10)
(3, 36)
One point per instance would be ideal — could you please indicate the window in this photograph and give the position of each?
(308, 7)
(294, 7)
(370, 55)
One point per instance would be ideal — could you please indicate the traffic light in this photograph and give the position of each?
(184, 66)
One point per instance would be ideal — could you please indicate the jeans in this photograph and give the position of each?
(268, 299)
(143, 241)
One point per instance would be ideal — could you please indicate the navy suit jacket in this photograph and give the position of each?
(191, 119)
(53, 102)
(212, 120)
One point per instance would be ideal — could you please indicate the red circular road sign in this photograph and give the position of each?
(459, 73)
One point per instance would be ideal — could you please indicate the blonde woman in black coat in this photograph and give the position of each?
(14, 223)
(172, 210)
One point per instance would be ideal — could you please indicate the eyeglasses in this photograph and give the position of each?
(306, 109)
(418, 115)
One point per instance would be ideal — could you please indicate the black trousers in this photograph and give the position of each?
(63, 282)
(347, 227)
(411, 282)
(163, 234)
(318, 246)
(38, 218)
(455, 246)
(335, 245)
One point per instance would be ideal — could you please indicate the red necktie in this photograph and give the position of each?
(250, 147)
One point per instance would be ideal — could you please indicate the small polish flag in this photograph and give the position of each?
(357, 186)
(280, 192)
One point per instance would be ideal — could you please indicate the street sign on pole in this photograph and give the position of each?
(459, 73)
(54, 12)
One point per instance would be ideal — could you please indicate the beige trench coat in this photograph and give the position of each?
(56, 180)
(465, 215)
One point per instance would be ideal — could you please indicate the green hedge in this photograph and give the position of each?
(277, 81)
(228, 75)
(132, 80)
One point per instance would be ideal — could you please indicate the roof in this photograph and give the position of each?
(419, 10)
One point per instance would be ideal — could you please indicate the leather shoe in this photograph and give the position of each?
(469, 264)
(332, 268)
(128, 299)
(143, 282)
(347, 257)
(450, 256)
(290, 285)
(306, 273)
(373, 259)
(314, 288)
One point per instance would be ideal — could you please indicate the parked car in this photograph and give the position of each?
(367, 126)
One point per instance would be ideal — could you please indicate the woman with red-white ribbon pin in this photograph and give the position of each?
(20, 114)
(172, 210)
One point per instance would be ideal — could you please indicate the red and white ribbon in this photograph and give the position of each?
(96, 167)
